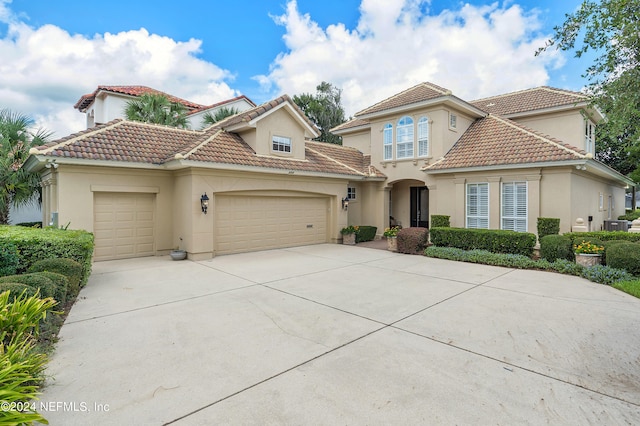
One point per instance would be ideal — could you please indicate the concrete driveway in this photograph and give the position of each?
(332, 334)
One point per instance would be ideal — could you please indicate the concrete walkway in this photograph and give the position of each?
(332, 334)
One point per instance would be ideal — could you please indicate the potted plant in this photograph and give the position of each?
(349, 235)
(177, 253)
(392, 238)
(588, 254)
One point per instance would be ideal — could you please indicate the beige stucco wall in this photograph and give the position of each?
(360, 140)
(567, 127)
(279, 123)
(562, 192)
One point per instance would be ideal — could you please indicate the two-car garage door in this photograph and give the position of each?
(123, 225)
(251, 223)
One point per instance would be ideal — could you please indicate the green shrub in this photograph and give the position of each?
(554, 247)
(625, 256)
(30, 224)
(67, 267)
(604, 236)
(37, 281)
(62, 285)
(632, 215)
(567, 267)
(412, 240)
(365, 233)
(607, 245)
(440, 221)
(49, 243)
(493, 240)
(18, 290)
(8, 258)
(548, 226)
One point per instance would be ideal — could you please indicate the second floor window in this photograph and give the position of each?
(404, 138)
(388, 141)
(423, 137)
(281, 144)
(589, 136)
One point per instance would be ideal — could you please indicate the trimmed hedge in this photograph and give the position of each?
(17, 289)
(62, 285)
(632, 215)
(553, 247)
(71, 269)
(607, 245)
(548, 226)
(625, 256)
(365, 233)
(604, 236)
(412, 240)
(50, 243)
(440, 221)
(37, 281)
(9, 258)
(493, 240)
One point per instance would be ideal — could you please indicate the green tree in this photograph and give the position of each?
(17, 186)
(612, 29)
(210, 118)
(324, 109)
(157, 109)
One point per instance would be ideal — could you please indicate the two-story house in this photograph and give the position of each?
(108, 103)
(497, 163)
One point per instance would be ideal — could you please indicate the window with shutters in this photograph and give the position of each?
(423, 137)
(514, 206)
(388, 141)
(477, 209)
(404, 138)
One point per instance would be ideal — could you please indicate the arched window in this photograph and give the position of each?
(388, 141)
(423, 137)
(404, 138)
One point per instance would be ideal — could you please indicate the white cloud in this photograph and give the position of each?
(475, 51)
(45, 70)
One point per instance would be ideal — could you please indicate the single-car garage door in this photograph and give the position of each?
(123, 225)
(250, 223)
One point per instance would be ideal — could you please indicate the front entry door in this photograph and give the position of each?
(420, 206)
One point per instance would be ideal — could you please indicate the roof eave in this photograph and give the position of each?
(353, 129)
(447, 99)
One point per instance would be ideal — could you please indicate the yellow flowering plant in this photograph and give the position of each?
(586, 247)
(391, 232)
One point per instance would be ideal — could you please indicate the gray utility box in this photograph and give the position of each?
(616, 225)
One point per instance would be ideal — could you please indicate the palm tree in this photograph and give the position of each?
(156, 108)
(210, 118)
(18, 187)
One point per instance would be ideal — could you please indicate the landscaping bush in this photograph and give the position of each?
(495, 241)
(548, 226)
(631, 216)
(412, 240)
(67, 267)
(567, 267)
(30, 224)
(18, 290)
(8, 258)
(365, 233)
(625, 256)
(49, 243)
(607, 245)
(605, 274)
(554, 247)
(440, 221)
(62, 285)
(604, 236)
(36, 281)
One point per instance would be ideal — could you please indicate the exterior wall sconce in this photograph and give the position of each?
(345, 203)
(204, 203)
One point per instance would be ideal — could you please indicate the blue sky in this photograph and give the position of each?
(53, 52)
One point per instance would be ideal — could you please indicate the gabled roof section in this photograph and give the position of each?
(499, 142)
(538, 98)
(134, 144)
(248, 118)
(416, 94)
(351, 125)
(224, 103)
(86, 100)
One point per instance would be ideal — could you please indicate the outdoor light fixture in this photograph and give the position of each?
(345, 203)
(204, 203)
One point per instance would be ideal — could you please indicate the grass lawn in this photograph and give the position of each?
(631, 287)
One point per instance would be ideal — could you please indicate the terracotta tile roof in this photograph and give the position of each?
(496, 141)
(419, 93)
(135, 142)
(529, 100)
(250, 114)
(351, 124)
(223, 103)
(86, 100)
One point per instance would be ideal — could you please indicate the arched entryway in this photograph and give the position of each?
(409, 204)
